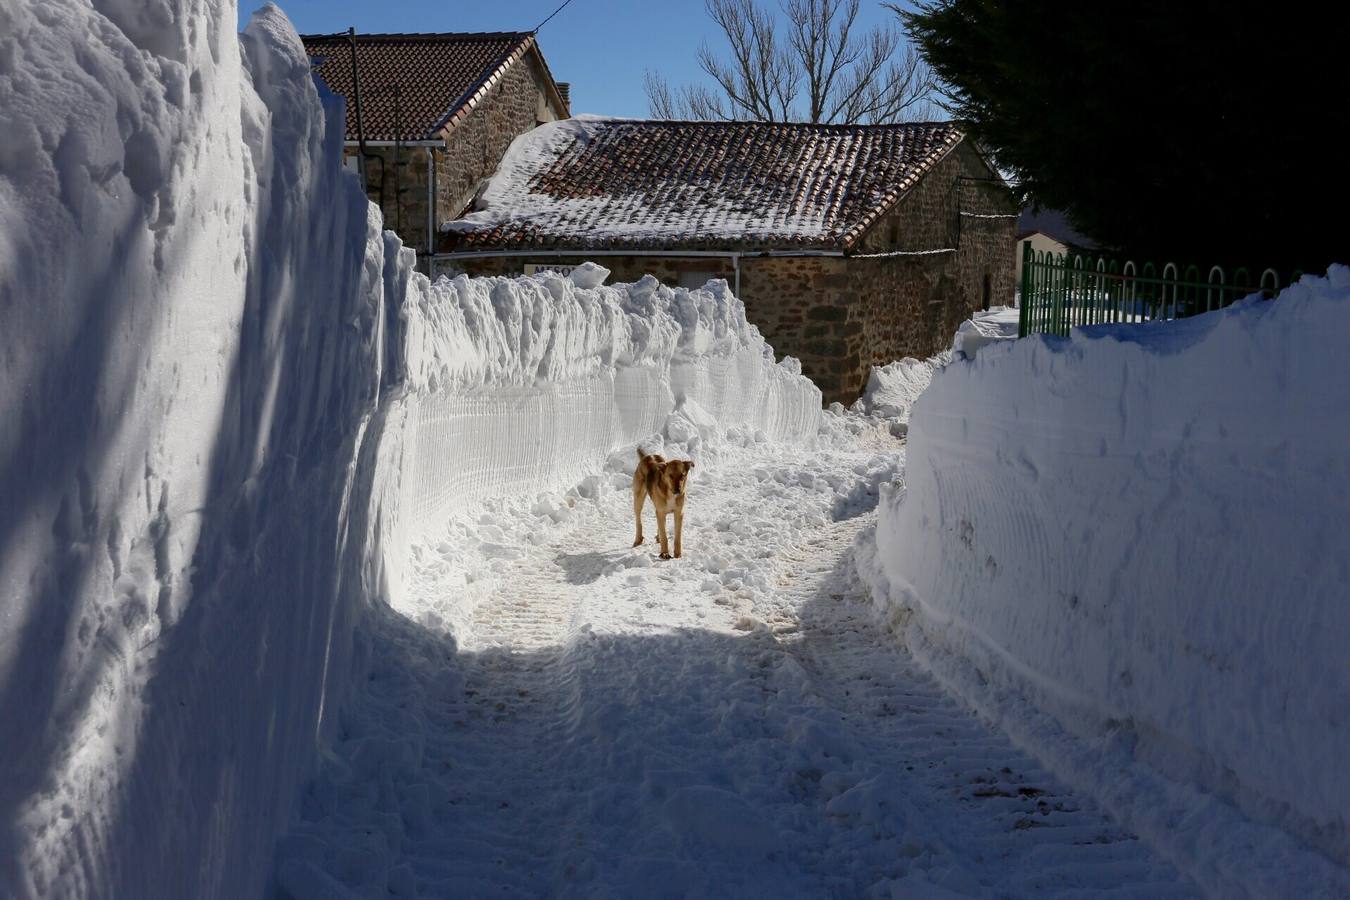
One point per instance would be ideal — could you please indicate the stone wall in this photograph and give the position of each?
(800, 305)
(474, 148)
(405, 212)
(912, 305)
(842, 315)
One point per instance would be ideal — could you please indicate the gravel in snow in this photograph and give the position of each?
(732, 723)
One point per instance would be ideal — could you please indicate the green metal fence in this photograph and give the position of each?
(1060, 292)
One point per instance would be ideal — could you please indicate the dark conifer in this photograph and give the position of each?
(1200, 132)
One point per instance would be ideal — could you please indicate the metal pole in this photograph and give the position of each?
(398, 159)
(431, 205)
(356, 96)
(1023, 314)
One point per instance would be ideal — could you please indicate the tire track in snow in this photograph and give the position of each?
(519, 689)
(1030, 834)
(520, 701)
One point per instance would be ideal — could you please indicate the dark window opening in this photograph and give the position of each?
(988, 292)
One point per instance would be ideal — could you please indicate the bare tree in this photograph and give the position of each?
(809, 64)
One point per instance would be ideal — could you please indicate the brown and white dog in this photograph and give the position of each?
(664, 482)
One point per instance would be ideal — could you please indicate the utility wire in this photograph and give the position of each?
(566, 3)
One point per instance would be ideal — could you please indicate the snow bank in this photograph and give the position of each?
(892, 389)
(1142, 531)
(191, 352)
(518, 385)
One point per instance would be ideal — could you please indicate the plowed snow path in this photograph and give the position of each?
(728, 724)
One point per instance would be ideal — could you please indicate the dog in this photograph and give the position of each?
(664, 482)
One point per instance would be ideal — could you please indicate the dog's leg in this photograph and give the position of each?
(679, 527)
(639, 497)
(661, 534)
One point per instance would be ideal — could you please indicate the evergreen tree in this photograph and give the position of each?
(1166, 129)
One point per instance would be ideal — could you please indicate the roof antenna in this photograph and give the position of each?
(551, 15)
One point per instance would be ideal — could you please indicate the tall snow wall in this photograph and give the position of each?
(514, 386)
(190, 357)
(1142, 529)
(228, 402)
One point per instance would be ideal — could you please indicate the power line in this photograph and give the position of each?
(566, 3)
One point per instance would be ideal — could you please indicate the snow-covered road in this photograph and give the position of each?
(729, 724)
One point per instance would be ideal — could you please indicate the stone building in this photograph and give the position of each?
(851, 245)
(436, 112)
(1049, 231)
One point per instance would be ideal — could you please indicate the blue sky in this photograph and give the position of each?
(602, 47)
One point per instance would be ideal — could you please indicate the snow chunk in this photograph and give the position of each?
(589, 275)
(985, 327)
(892, 389)
(690, 422)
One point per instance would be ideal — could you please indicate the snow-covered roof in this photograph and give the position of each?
(593, 183)
(415, 85)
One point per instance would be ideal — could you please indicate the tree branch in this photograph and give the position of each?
(819, 69)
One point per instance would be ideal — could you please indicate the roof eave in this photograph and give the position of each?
(729, 251)
(470, 99)
(849, 240)
(476, 94)
(463, 240)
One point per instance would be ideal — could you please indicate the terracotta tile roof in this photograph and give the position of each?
(598, 183)
(440, 77)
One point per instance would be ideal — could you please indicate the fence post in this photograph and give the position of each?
(1023, 321)
(1162, 313)
(1191, 278)
(1209, 292)
(1101, 293)
(1116, 288)
(1274, 282)
(1057, 300)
